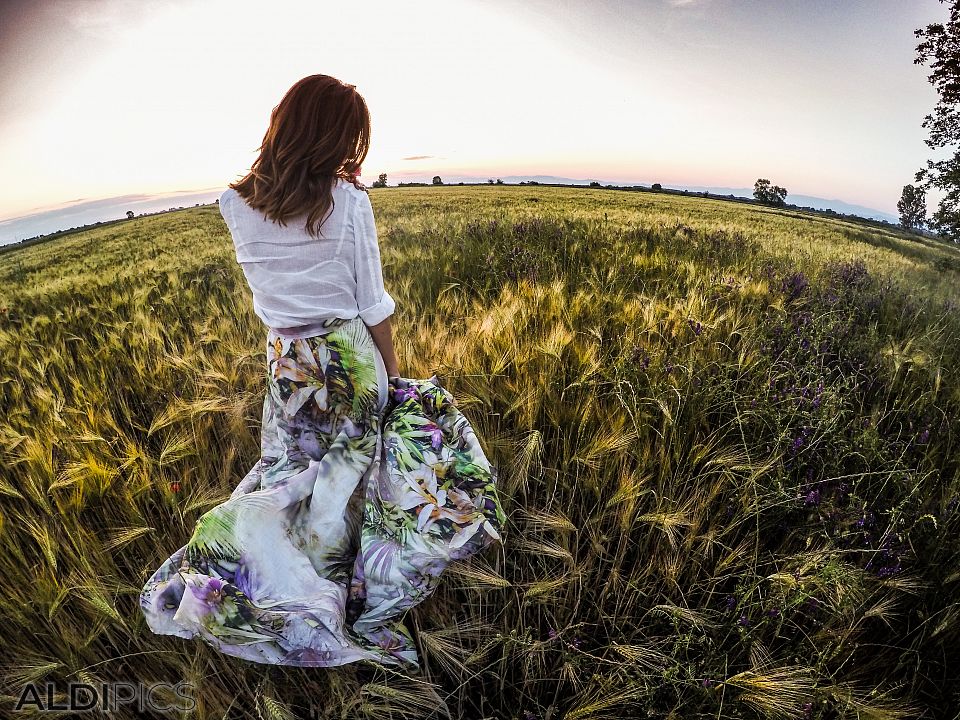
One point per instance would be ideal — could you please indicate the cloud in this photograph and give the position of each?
(105, 19)
(418, 157)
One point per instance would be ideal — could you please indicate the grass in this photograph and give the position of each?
(727, 438)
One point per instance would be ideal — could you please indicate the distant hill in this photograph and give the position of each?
(819, 203)
(88, 212)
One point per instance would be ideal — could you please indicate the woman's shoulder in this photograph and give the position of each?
(226, 197)
(223, 205)
(349, 188)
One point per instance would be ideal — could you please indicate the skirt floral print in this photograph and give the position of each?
(366, 489)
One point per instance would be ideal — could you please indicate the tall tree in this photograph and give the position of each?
(940, 48)
(768, 194)
(912, 207)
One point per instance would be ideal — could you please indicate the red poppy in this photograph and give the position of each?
(175, 486)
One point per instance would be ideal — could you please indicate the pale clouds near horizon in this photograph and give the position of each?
(108, 97)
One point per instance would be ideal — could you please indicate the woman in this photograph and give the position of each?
(321, 546)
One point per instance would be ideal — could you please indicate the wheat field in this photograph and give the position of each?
(727, 438)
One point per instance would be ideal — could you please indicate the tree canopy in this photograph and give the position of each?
(940, 49)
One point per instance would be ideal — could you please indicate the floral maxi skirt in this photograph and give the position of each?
(366, 489)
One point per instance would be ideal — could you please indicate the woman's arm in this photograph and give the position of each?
(382, 334)
(374, 302)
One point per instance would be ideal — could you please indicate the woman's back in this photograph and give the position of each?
(297, 279)
(333, 533)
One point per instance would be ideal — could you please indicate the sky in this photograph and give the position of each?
(104, 98)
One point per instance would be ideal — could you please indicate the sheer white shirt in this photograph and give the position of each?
(297, 279)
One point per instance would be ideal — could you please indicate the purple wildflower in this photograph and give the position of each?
(951, 504)
(887, 571)
(794, 284)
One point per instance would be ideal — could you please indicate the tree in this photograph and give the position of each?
(912, 208)
(489, 181)
(769, 194)
(594, 184)
(381, 181)
(129, 214)
(656, 186)
(437, 180)
(940, 47)
(499, 181)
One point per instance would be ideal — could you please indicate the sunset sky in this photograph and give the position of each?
(110, 97)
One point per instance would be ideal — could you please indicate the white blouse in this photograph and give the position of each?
(297, 279)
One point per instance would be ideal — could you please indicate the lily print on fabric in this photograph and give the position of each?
(433, 501)
(347, 520)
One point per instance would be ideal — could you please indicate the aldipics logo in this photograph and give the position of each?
(106, 697)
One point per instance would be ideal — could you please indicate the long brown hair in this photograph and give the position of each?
(319, 132)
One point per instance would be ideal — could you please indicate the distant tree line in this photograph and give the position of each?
(912, 204)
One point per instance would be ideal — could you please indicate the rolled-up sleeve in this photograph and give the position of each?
(373, 301)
